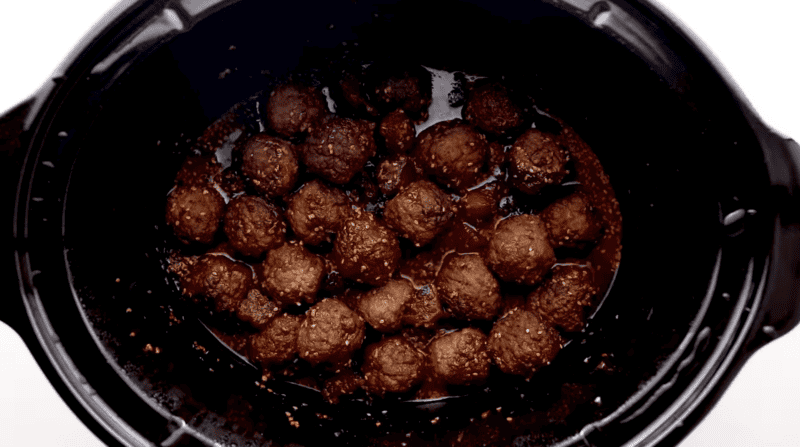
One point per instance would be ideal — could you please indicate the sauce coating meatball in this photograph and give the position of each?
(398, 132)
(291, 274)
(270, 165)
(293, 108)
(220, 279)
(536, 160)
(460, 357)
(253, 225)
(489, 107)
(424, 308)
(395, 174)
(479, 205)
(365, 250)
(468, 288)
(339, 148)
(278, 342)
(519, 251)
(520, 343)
(392, 365)
(330, 333)
(561, 299)
(420, 212)
(316, 210)
(570, 221)
(453, 151)
(194, 213)
(257, 309)
(382, 307)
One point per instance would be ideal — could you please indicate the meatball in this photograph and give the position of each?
(330, 333)
(220, 279)
(536, 160)
(291, 274)
(316, 210)
(460, 357)
(198, 170)
(392, 365)
(468, 288)
(398, 132)
(382, 307)
(453, 151)
(365, 250)
(518, 250)
(407, 88)
(561, 299)
(420, 212)
(490, 108)
(194, 213)
(395, 174)
(270, 165)
(253, 225)
(257, 309)
(571, 221)
(346, 382)
(278, 342)
(294, 108)
(479, 205)
(339, 148)
(520, 343)
(424, 308)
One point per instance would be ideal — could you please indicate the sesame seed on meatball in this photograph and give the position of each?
(270, 165)
(382, 307)
(220, 279)
(316, 210)
(520, 343)
(453, 151)
(420, 212)
(365, 250)
(460, 357)
(536, 160)
(253, 225)
(468, 288)
(489, 107)
(571, 221)
(194, 213)
(291, 274)
(397, 131)
(339, 148)
(561, 299)
(395, 174)
(392, 365)
(277, 343)
(257, 309)
(330, 333)
(519, 251)
(293, 108)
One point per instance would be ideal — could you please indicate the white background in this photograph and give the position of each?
(758, 44)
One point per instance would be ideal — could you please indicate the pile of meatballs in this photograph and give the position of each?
(383, 257)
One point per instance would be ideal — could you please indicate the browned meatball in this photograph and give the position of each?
(291, 274)
(420, 212)
(253, 225)
(468, 288)
(257, 309)
(220, 279)
(460, 357)
(382, 307)
(194, 213)
(479, 205)
(409, 89)
(518, 250)
(520, 343)
(365, 250)
(490, 108)
(395, 174)
(330, 333)
(398, 132)
(393, 365)
(278, 342)
(294, 108)
(198, 170)
(453, 151)
(316, 210)
(561, 299)
(339, 148)
(571, 221)
(424, 308)
(346, 382)
(270, 165)
(536, 160)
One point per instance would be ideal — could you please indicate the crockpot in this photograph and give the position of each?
(706, 189)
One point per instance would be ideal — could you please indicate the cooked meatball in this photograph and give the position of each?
(291, 274)
(316, 210)
(453, 151)
(330, 333)
(520, 343)
(194, 213)
(536, 160)
(253, 225)
(489, 107)
(382, 307)
(518, 250)
(395, 174)
(479, 205)
(561, 299)
(346, 382)
(365, 250)
(468, 288)
(294, 108)
(420, 212)
(270, 165)
(257, 309)
(424, 308)
(278, 342)
(220, 279)
(198, 170)
(570, 221)
(460, 357)
(339, 148)
(393, 365)
(398, 132)
(409, 89)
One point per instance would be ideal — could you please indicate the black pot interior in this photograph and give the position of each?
(678, 153)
